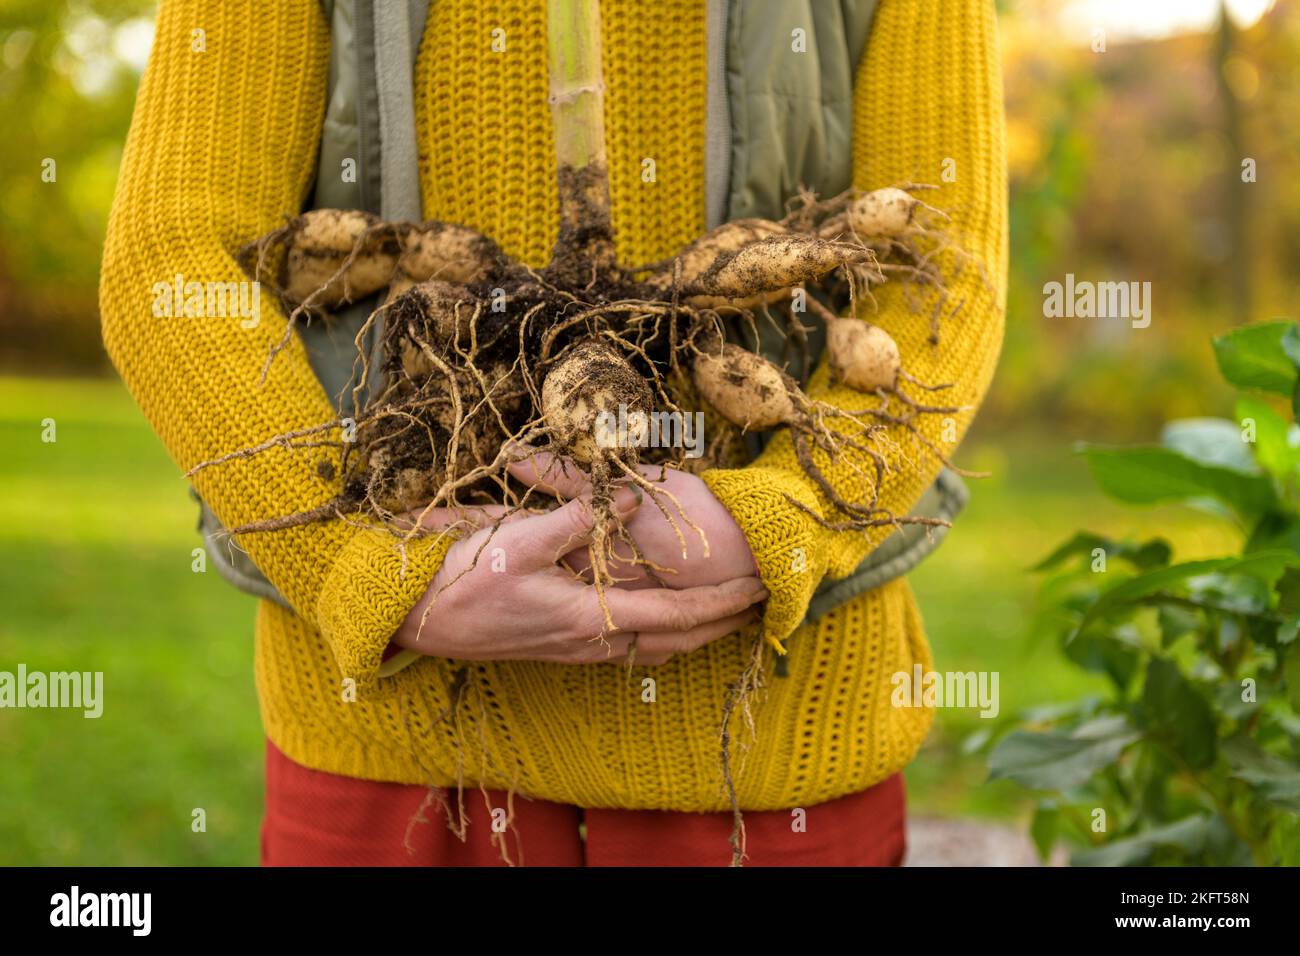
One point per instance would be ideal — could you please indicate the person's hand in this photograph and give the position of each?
(501, 595)
(729, 555)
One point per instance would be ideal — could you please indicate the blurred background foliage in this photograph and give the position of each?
(1125, 165)
(68, 75)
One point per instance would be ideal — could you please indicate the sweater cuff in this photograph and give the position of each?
(368, 594)
(788, 544)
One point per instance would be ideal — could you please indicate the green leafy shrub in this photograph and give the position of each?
(1193, 758)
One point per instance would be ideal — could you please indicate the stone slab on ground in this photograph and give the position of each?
(938, 842)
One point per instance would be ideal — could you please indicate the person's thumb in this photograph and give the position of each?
(540, 541)
(548, 473)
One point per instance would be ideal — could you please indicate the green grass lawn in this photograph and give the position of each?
(96, 533)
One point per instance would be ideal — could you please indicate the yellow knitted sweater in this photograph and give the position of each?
(222, 147)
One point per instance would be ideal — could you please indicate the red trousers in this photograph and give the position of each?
(322, 819)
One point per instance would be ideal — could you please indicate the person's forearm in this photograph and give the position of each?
(222, 147)
(928, 101)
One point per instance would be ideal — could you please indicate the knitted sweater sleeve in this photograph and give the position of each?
(927, 102)
(222, 147)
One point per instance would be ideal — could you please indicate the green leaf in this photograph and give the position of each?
(1230, 593)
(1227, 636)
(1275, 530)
(1253, 356)
(1210, 441)
(1059, 761)
(1176, 712)
(1046, 713)
(1291, 344)
(1288, 592)
(1223, 847)
(1227, 700)
(1272, 777)
(1291, 674)
(1188, 834)
(977, 740)
(1044, 828)
(1284, 840)
(1287, 630)
(1273, 433)
(1266, 565)
(1175, 621)
(1148, 554)
(1147, 475)
(1261, 630)
(1083, 542)
(1108, 654)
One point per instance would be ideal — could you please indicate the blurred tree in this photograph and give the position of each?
(68, 75)
(1240, 263)
(1125, 165)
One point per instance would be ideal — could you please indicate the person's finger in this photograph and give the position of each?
(543, 539)
(550, 474)
(626, 572)
(651, 610)
(654, 646)
(557, 476)
(473, 516)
